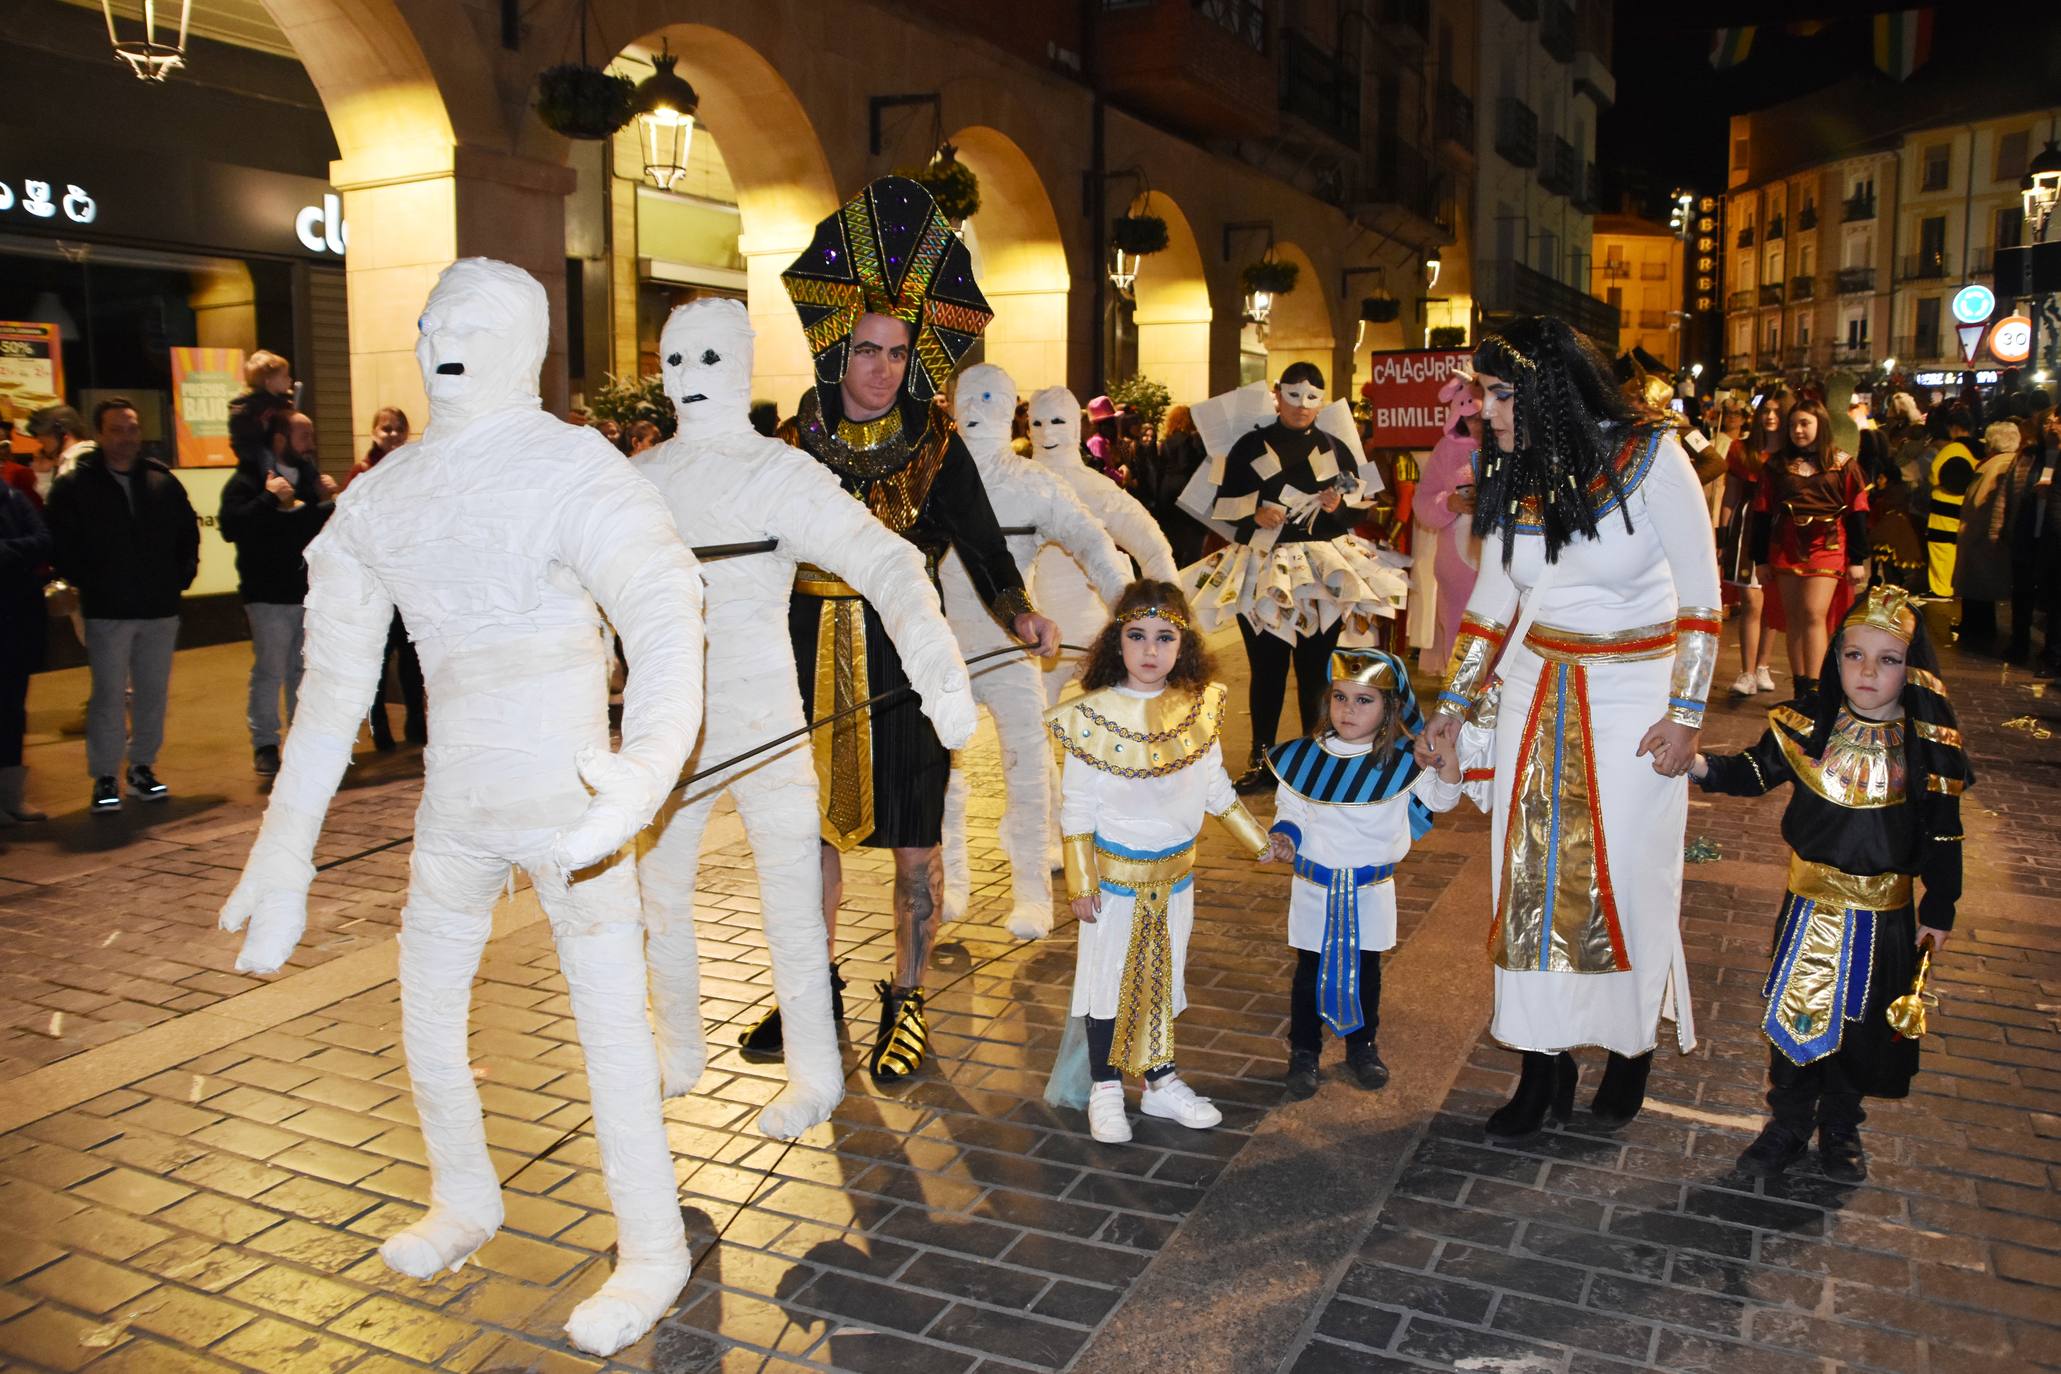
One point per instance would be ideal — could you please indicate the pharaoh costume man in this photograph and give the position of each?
(882, 771)
(1873, 805)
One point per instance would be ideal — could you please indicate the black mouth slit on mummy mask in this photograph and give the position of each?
(690, 400)
(450, 369)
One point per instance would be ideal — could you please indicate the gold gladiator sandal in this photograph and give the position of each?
(904, 1036)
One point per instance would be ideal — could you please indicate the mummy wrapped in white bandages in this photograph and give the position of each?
(1062, 589)
(503, 536)
(1024, 495)
(726, 483)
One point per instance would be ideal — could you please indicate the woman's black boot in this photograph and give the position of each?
(1545, 1085)
(1622, 1091)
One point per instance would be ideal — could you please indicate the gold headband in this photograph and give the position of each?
(1166, 613)
(1889, 609)
(1369, 670)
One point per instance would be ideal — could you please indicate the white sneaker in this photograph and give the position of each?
(1743, 685)
(1763, 680)
(1176, 1101)
(1106, 1119)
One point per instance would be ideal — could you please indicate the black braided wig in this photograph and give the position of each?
(1570, 421)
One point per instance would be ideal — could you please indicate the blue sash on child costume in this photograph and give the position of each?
(1338, 966)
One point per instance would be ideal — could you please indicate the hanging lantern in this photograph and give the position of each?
(146, 56)
(1123, 270)
(2041, 189)
(665, 117)
(1431, 266)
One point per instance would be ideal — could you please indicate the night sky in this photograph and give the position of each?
(1668, 127)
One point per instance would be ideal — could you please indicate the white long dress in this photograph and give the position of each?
(1336, 836)
(1615, 635)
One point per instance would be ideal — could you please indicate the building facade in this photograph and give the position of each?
(1638, 273)
(1851, 261)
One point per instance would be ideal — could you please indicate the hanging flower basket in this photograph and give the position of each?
(951, 184)
(1449, 336)
(1268, 275)
(584, 102)
(1380, 309)
(1138, 234)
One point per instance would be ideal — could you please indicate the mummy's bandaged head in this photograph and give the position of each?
(705, 355)
(888, 251)
(1055, 426)
(484, 331)
(984, 405)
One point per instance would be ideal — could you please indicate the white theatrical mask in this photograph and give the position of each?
(726, 483)
(1025, 495)
(503, 537)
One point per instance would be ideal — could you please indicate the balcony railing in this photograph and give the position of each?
(1859, 208)
(1517, 132)
(1740, 300)
(1775, 227)
(1204, 68)
(1858, 351)
(1514, 289)
(1746, 236)
(1802, 288)
(1652, 319)
(1618, 270)
(1921, 348)
(1556, 30)
(1771, 293)
(1796, 355)
(1982, 263)
(1403, 177)
(1923, 267)
(1456, 117)
(1556, 167)
(1807, 217)
(1588, 190)
(1318, 89)
(1245, 18)
(1854, 281)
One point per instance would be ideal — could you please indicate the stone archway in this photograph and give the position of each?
(1019, 260)
(783, 181)
(1300, 328)
(1173, 311)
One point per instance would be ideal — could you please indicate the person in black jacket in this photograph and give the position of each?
(126, 536)
(270, 510)
(24, 564)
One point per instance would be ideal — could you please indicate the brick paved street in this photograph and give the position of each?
(196, 1168)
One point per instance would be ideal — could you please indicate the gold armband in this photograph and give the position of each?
(1081, 878)
(1245, 830)
(1696, 655)
(1467, 671)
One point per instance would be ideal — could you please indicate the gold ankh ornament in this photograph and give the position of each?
(1907, 1013)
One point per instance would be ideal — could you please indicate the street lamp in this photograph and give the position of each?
(665, 114)
(148, 58)
(1695, 370)
(1431, 266)
(1123, 270)
(2041, 189)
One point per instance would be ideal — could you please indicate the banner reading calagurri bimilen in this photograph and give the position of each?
(1403, 388)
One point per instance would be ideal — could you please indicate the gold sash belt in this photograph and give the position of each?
(1556, 645)
(1848, 891)
(811, 580)
(1144, 1038)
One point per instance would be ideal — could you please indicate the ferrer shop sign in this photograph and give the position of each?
(43, 200)
(320, 228)
(1402, 396)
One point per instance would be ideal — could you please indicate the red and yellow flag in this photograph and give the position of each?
(1903, 40)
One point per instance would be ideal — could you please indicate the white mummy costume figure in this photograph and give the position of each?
(1024, 494)
(726, 483)
(1063, 592)
(496, 536)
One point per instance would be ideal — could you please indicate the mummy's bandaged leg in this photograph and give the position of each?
(604, 975)
(444, 929)
(666, 875)
(956, 892)
(1015, 695)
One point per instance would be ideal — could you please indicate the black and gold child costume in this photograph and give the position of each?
(1876, 804)
(888, 251)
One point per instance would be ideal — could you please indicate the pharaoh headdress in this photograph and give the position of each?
(888, 252)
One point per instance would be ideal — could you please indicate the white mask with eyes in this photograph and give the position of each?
(983, 406)
(481, 342)
(1303, 394)
(704, 355)
(1055, 426)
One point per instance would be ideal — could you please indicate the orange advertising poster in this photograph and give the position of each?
(204, 381)
(31, 374)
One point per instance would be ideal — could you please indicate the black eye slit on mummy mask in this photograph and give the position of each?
(709, 357)
(672, 360)
(450, 369)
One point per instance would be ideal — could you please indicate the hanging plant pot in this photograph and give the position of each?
(1380, 309)
(951, 184)
(1269, 276)
(584, 102)
(1449, 336)
(1138, 234)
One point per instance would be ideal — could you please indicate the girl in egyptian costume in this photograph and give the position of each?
(1599, 590)
(1143, 764)
(1352, 800)
(1878, 770)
